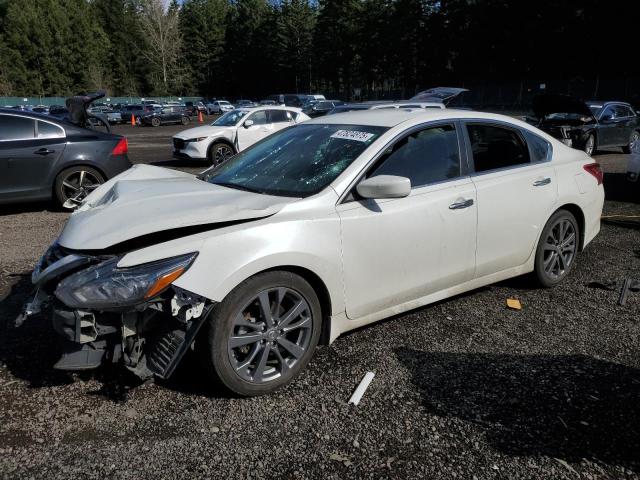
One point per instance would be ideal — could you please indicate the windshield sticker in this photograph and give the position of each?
(353, 135)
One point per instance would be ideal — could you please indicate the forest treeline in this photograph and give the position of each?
(351, 48)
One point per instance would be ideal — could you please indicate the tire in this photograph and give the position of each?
(634, 137)
(155, 122)
(219, 152)
(590, 145)
(184, 120)
(73, 183)
(294, 306)
(561, 232)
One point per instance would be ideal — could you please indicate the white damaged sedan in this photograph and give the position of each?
(316, 230)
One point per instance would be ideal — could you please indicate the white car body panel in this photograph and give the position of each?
(237, 135)
(375, 258)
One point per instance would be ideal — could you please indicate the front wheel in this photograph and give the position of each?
(219, 153)
(557, 249)
(262, 334)
(633, 139)
(184, 120)
(155, 122)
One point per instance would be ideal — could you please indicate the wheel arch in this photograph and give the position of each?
(577, 212)
(319, 287)
(78, 163)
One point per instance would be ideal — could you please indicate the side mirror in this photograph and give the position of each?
(384, 186)
(247, 123)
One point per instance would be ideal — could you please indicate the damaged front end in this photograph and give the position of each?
(134, 315)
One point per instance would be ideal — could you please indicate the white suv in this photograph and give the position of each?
(219, 106)
(232, 132)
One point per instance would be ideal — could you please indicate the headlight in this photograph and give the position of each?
(107, 286)
(199, 139)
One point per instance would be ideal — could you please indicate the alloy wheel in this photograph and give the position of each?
(559, 249)
(221, 154)
(78, 184)
(270, 334)
(590, 145)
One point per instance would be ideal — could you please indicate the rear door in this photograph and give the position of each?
(29, 150)
(517, 189)
(279, 119)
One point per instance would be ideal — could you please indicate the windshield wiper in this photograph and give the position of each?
(237, 187)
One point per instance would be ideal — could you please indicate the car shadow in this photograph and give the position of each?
(28, 207)
(618, 188)
(569, 407)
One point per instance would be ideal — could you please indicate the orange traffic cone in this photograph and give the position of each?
(133, 120)
(200, 119)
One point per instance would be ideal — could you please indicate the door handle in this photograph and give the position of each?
(541, 182)
(461, 204)
(44, 151)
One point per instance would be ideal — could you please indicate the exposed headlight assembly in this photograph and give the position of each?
(105, 286)
(199, 139)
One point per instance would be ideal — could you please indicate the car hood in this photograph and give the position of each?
(438, 94)
(146, 200)
(547, 104)
(204, 131)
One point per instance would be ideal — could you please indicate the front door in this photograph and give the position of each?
(399, 250)
(259, 128)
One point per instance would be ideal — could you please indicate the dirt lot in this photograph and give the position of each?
(464, 388)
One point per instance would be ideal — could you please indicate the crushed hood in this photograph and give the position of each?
(549, 103)
(147, 199)
(438, 94)
(204, 131)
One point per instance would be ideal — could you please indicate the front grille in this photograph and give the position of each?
(178, 143)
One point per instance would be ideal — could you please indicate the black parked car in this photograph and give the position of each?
(164, 115)
(588, 125)
(321, 107)
(44, 157)
(136, 110)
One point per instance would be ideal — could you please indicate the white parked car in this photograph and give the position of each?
(319, 229)
(219, 106)
(233, 132)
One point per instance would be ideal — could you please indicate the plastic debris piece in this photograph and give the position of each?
(514, 304)
(364, 384)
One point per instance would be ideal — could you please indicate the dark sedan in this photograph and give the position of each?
(165, 115)
(588, 125)
(43, 157)
(321, 107)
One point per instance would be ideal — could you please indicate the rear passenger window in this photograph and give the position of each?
(278, 116)
(16, 128)
(496, 147)
(48, 130)
(428, 156)
(539, 149)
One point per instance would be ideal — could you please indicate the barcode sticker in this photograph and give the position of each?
(352, 135)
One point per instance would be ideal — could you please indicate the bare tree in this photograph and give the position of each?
(159, 25)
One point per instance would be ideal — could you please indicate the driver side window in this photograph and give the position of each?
(608, 113)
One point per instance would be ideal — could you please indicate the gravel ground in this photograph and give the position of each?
(464, 388)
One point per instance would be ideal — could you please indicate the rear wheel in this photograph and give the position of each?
(74, 184)
(262, 334)
(219, 153)
(155, 122)
(557, 248)
(184, 120)
(590, 145)
(633, 139)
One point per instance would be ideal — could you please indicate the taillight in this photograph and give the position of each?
(121, 148)
(595, 170)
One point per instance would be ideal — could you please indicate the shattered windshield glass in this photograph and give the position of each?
(229, 119)
(296, 162)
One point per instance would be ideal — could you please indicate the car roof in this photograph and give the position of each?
(28, 113)
(268, 107)
(607, 102)
(391, 118)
